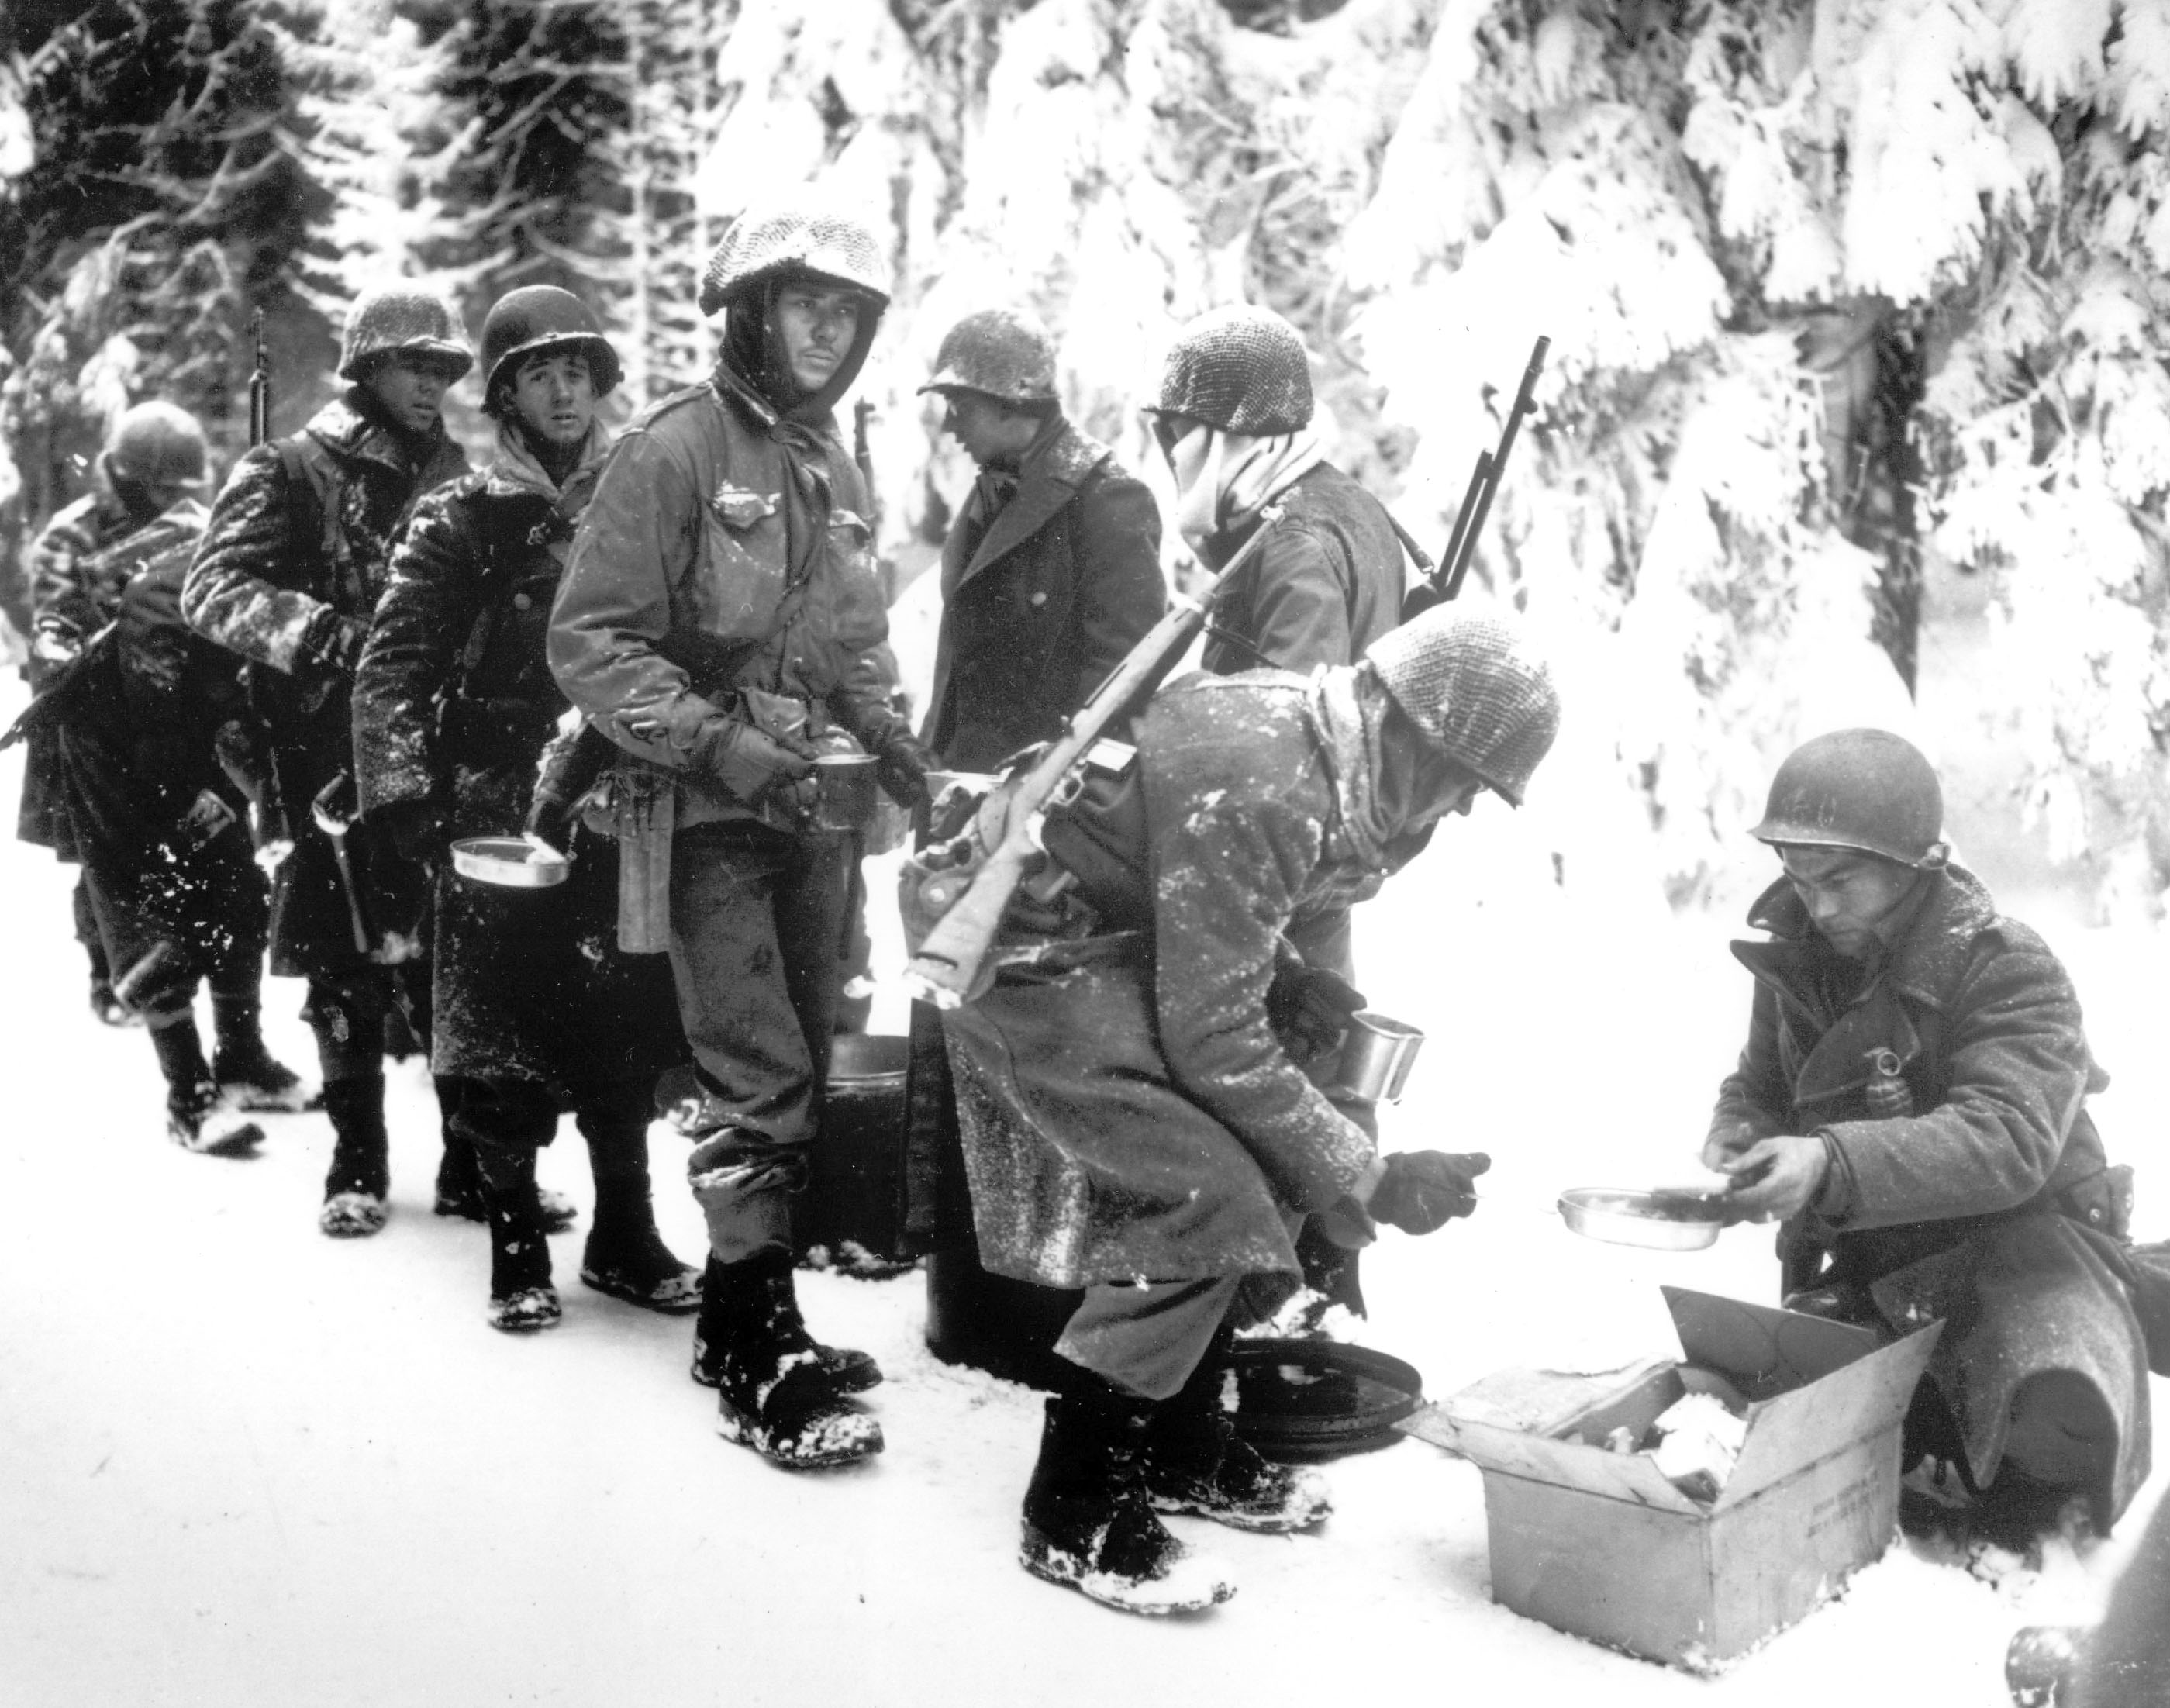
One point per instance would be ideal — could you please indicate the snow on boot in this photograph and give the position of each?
(245, 1070)
(521, 1299)
(1087, 1522)
(626, 1257)
(524, 1312)
(846, 1370)
(197, 1118)
(772, 1394)
(359, 1176)
(1194, 1462)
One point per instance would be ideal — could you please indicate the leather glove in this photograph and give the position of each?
(901, 770)
(1422, 1190)
(1308, 1008)
(750, 763)
(332, 644)
(418, 829)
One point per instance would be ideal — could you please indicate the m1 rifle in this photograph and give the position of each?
(247, 755)
(1438, 585)
(965, 884)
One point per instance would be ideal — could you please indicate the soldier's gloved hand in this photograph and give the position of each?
(901, 770)
(1422, 1190)
(332, 644)
(53, 646)
(418, 829)
(1308, 1008)
(748, 761)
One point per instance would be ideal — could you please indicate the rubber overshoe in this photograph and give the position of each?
(845, 1369)
(352, 1215)
(773, 1393)
(1208, 1469)
(526, 1310)
(640, 1270)
(255, 1079)
(199, 1119)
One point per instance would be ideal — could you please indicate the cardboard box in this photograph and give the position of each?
(1601, 1544)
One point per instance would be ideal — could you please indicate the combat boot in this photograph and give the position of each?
(359, 1176)
(1087, 1522)
(521, 1299)
(846, 1369)
(773, 1394)
(459, 1191)
(1195, 1461)
(198, 1118)
(246, 1071)
(626, 1257)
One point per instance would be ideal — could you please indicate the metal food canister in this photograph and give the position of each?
(847, 797)
(1377, 1055)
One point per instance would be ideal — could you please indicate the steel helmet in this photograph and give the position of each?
(1867, 790)
(537, 318)
(1476, 690)
(796, 242)
(1241, 369)
(403, 318)
(158, 445)
(1003, 353)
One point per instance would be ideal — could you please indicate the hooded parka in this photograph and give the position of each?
(1988, 1206)
(1043, 592)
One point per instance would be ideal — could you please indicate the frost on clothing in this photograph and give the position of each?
(1041, 597)
(725, 548)
(283, 545)
(452, 703)
(1973, 1209)
(1136, 1115)
(1327, 583)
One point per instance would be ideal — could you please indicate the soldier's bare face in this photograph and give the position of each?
(814, 327)
(1849, 895)
(988, 431)
(554, 397)
(411, 388)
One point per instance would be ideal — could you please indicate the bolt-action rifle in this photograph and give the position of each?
(1436, 587)
(246, 755)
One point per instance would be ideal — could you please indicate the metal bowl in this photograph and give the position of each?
(510, 862)
(1656, 1221)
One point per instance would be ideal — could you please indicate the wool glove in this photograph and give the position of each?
(1422, 1190)
(902, 769)
(750, 763)
(1308, 1008)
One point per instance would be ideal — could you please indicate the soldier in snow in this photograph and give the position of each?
(289, 569)
(1137, 1116)
(713, 621)
(1911, 1105)
(534, 1008)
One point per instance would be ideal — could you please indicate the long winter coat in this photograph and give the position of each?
(1119, 1124)
(1988, 1206)
(527, 984)
(1327, 583)
(726, 550)
(1041, 600)
(304, 524)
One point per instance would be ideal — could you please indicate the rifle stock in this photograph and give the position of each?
(1000, 845)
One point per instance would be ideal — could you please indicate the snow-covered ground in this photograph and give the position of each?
(241, 1464)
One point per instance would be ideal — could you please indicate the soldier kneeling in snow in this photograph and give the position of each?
(1134, 1120)
(1911, 1105)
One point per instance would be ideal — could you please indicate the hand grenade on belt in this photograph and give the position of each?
(1889, 1095)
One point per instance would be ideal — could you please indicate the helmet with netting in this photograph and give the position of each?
(536, 318)
(158, 445)
(1002, 353)
(1241, 369)
(1865, 790)
(404, 320)
(1476, 690)
(795, 243)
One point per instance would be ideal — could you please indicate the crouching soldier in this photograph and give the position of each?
(534, 1008)
(1136, 1120)
(1911, 1105)
(289, 569)
(713, 621)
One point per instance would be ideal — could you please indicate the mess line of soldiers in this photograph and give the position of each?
(644, 653)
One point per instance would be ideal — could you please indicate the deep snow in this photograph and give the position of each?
(246, 1464)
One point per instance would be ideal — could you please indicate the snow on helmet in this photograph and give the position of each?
(1865, 790)
(1003, 353)
(798, 241)
(538, 318)
(1476, 690)
(1241, 369)
(158, 445)
(405, 318)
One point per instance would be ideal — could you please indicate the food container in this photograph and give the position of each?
(510, 862)
(1606, 1545)
(1377, 1055)
(846, 801)
(853, 1212)
(1659, 1221)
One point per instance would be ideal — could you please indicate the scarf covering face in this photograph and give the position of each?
(1380, 784)
(1223, 479)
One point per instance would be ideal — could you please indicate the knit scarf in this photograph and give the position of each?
(1379, 785)
(517, 468)
(1223, 479)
